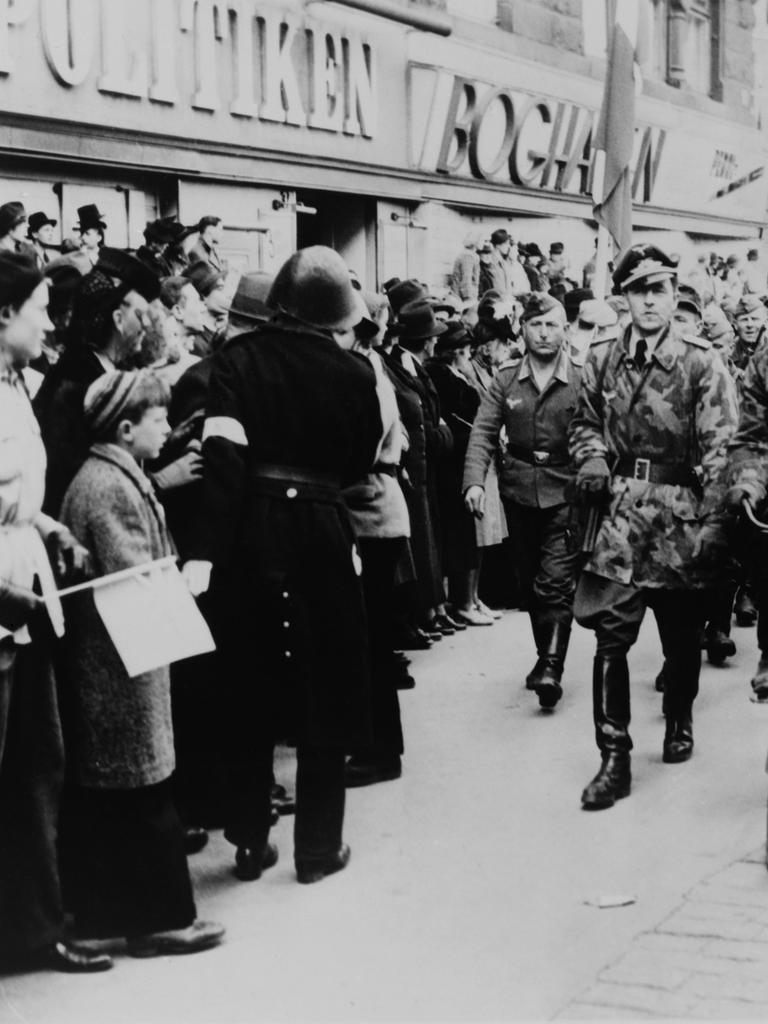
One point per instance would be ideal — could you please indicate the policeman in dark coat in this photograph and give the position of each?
(534, 400)
(291, 419)
(656, 411)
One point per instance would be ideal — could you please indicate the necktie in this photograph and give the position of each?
(641, 348)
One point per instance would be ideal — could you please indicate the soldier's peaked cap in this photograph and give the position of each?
(641, 261)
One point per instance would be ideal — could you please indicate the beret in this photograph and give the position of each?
(19, 277)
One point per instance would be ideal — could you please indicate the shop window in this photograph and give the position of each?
(474, 10)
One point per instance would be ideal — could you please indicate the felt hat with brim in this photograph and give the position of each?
(573, 299)
(89, 216)
(203, 277)
(131, 272)
(39, 220)
(314, 287)
(403, 292)
(538, 304)
(164, 230)
(647, 263)
(455, 337)
(747, 304)
(417, 322)
(250, 299)
(11, 215)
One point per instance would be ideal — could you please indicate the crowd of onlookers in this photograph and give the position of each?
(119, 387)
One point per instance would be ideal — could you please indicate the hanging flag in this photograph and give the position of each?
(616, 127)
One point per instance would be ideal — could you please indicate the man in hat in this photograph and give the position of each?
(534, 399)
(158, 234)
(206, 247)
(91, 226)
(291, 418)
(40, 233)
(502, 271)
(559, 283)
(655, 413)
(109, 320)
(13, 221)
(211, 288)
(750, 315)
(465, 275)
(687, 313)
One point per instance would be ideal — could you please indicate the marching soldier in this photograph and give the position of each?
(534, 400)
(654, 404)
(751, 316)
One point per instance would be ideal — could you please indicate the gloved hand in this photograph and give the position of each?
(185, 470)
(593, 480)
(70, 559)
(197, 576)
(710, 547)
(750, 490)
(474, 500)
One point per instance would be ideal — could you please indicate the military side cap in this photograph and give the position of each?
(747, 304)
(640, 262)
(537, 304)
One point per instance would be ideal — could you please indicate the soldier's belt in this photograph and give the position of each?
(656, 472)
(538, 457)
(294, 483)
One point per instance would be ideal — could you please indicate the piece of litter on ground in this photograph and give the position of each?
(603, 900)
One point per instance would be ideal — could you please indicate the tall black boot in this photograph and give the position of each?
(534, 675)
(610, 704)
(548, 685)
(678, 737)
(718, 635)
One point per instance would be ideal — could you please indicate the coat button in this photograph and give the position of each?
(286, 625)
(291, 492)
(287, 654)
(285, 594)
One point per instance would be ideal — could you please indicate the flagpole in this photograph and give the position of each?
(122, 574)
(600, 279)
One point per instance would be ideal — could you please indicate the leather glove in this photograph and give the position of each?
(753, 492)
(710, 547)
(19, 606)
(185, 470)
(593, 480)
(71, 560)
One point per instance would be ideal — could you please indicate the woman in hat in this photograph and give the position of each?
(31, 754)
(13, 221)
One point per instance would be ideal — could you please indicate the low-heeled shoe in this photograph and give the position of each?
(195, 839)
(367, 773)
(197, 937)
(315, 869)
(250, 863)
(63, 956)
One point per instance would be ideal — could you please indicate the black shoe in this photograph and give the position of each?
(719, 647)
(678, 738)
(759, 682)
(442, 625)
(315, 869)
(281, 801)
(61, 956)
(453, 622)
(745, 611)
(250, 863)
(367, 773)
(613, 782)
(429, 633)
(195, 839)
(199, 936)
(412, 640)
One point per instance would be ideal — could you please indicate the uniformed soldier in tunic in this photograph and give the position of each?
(534, 400)
(291, 419)
(653, 405)
(751, 316)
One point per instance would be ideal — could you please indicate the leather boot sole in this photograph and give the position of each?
(606, 801)
(674, 756)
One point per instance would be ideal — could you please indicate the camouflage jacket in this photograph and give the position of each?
(680, 409)
(748, 451)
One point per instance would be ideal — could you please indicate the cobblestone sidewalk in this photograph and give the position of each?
(707, 960)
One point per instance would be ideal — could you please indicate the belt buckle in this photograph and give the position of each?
(541, 458)
(642, 470)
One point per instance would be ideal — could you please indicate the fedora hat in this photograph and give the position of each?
(89, 216)
(11, 215)
(417, 322)
(39, 220)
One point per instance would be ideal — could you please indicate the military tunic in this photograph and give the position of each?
(679, 411)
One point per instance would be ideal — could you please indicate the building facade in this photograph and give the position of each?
(387, 129)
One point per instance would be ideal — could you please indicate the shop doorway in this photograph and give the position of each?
(345, 223)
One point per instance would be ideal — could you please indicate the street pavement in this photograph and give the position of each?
(470, 894)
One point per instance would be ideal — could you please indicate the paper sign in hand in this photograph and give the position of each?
(152, 619)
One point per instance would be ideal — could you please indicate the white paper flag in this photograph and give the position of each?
(152, 618)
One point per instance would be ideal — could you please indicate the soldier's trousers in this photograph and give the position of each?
(615, 611)
(31, 773)
(545, 558)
